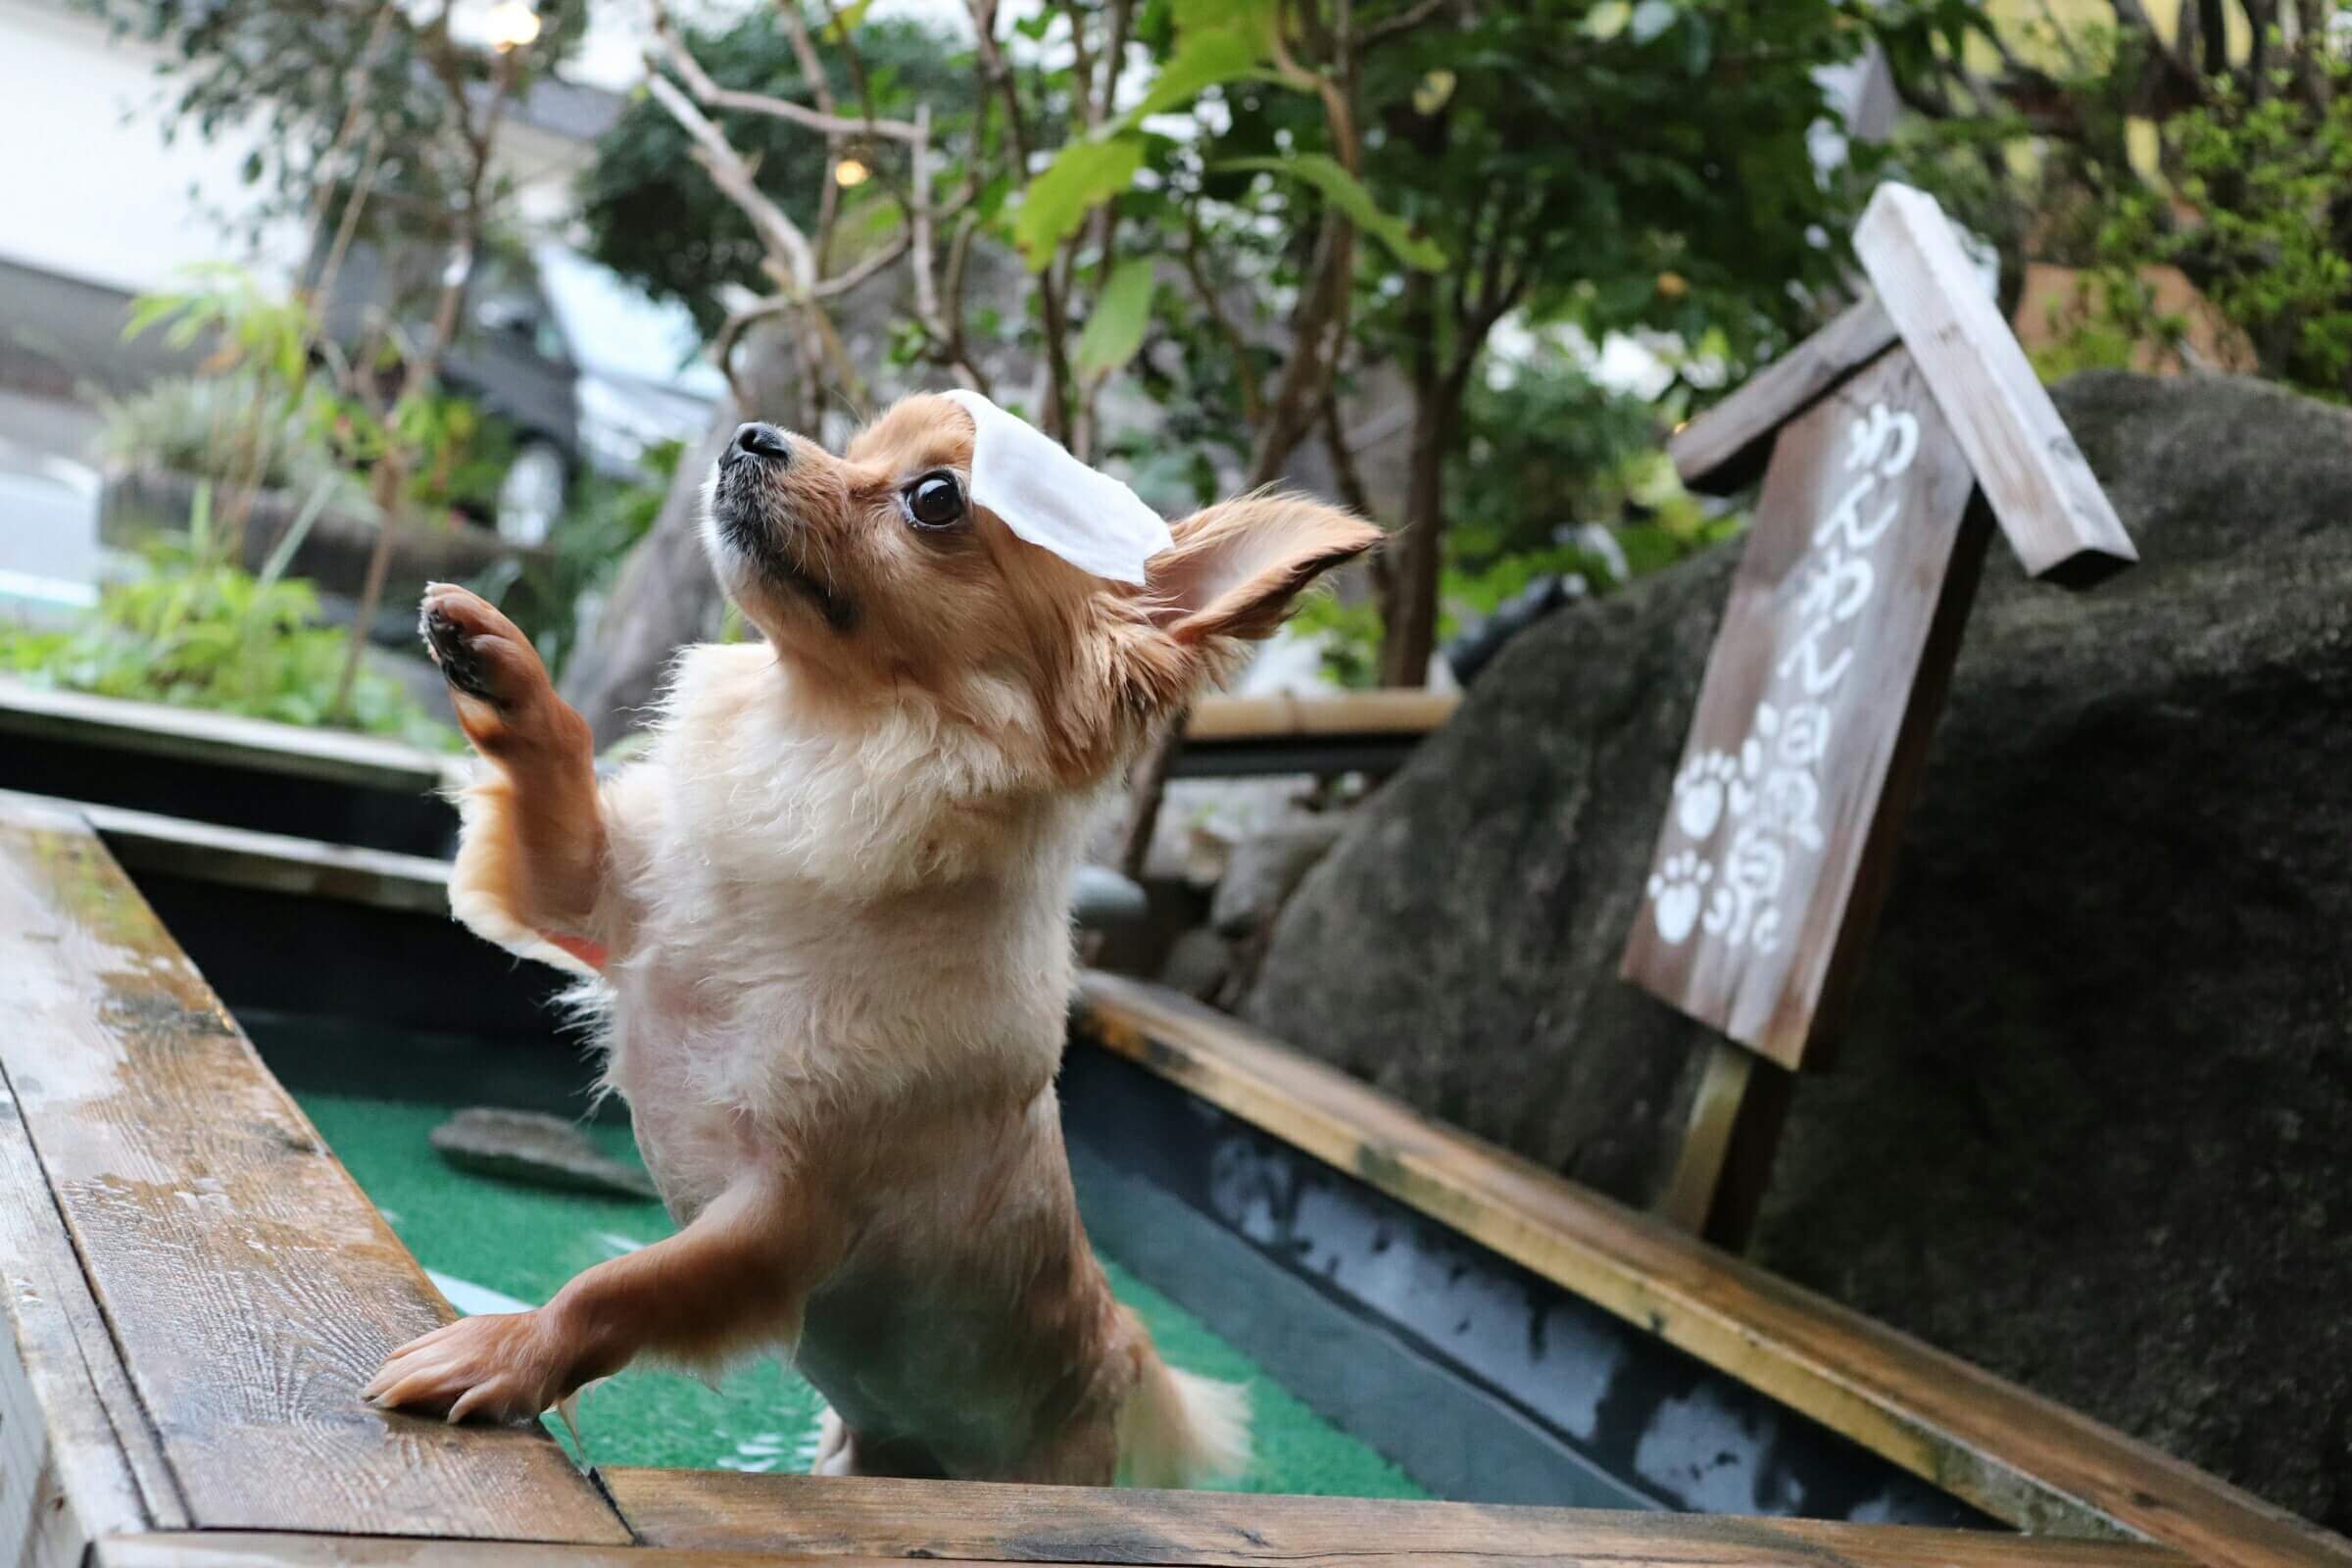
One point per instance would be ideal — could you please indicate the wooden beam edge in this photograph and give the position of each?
(1724, 449)
(144, 841)
(2005, 421)
(968, 1521)
(1671, 1284)
(228, 739)
(231, 1548)
(1284, 715)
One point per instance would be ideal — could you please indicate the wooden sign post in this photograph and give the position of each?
(1897, 437)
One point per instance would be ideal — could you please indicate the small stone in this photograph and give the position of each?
(543, 1150)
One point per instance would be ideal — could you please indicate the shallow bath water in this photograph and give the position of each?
(493, 1243)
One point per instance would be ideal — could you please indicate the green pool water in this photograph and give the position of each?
(495, 1247)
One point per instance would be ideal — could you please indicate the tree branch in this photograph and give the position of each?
(789, 251)
(707, 91)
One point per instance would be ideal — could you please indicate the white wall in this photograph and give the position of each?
(87, 186)
(89, 189)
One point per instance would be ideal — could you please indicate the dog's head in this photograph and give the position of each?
(877, 577)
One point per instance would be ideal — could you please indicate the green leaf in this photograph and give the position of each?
(1116, 330)
(1344, 191)
(1608, 19)
(844, 20)
(1201, 61)
(1083, 175)
(1651, 18)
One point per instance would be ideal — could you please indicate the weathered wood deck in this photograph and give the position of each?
(195, 1289)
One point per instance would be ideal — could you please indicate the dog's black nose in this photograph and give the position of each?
(759, 440)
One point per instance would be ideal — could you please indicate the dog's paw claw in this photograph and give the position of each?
(451, 647)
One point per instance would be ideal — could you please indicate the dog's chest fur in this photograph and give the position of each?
(815, 928)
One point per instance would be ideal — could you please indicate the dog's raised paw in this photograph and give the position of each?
(449, 645)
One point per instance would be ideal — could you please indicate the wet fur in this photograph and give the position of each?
(827, 913)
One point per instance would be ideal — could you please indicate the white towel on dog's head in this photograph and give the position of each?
(1054, 502)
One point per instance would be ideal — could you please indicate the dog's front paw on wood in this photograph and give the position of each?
(496, 679)
(503, 1366)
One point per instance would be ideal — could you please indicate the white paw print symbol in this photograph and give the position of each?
(1699, 792)
(1673, 895)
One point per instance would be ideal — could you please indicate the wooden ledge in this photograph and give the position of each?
(1284, 717)
(274, 862)
(2018, 1456)
(191, 735)
(1723, 450)
(234, 1288)
(242, 1549)
(971, 1521)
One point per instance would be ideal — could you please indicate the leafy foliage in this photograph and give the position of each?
(225, 427)
(2224, 151)
(194, 630)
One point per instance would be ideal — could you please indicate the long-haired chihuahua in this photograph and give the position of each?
(826, 917)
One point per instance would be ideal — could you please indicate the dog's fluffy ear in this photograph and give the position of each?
(1230, 577)
(1235, 568)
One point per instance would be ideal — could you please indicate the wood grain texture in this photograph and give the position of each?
(247, 1284)
(2048, 503)
(160, 730)
(2020, 1458)
(275, 863)
(1283, 716)
(961, 1521)
(1764, 885)
(78, 1456)
(232, 1550)
(1725, 449)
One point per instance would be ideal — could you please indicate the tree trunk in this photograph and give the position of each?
(664, 595)
(1408, 611)
(663, 598)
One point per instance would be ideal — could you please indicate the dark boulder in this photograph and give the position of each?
(2093, 1124)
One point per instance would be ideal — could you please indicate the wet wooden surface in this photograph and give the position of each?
(1818, 703)
(2012, 1453)
(967, 1521)
(78, 1456)
(247, 1284)
(1725, 449)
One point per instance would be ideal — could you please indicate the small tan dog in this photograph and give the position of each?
(829, 911)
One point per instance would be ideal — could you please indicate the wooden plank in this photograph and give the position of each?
(249, 1287)
(1283, 715)
(1725, 449)
(2047, 501)
(78, 1456)
(275, 863)
(1819, 697)
(1717, 1188)
(963, 1521)
(2020, 1458)
(230, 1549)
(160, 730)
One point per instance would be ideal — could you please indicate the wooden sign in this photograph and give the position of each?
(1882, 430)
(1782, 802)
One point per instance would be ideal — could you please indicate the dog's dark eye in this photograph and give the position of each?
(935, 501)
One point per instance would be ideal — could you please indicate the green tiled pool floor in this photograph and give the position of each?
(497, 1247)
